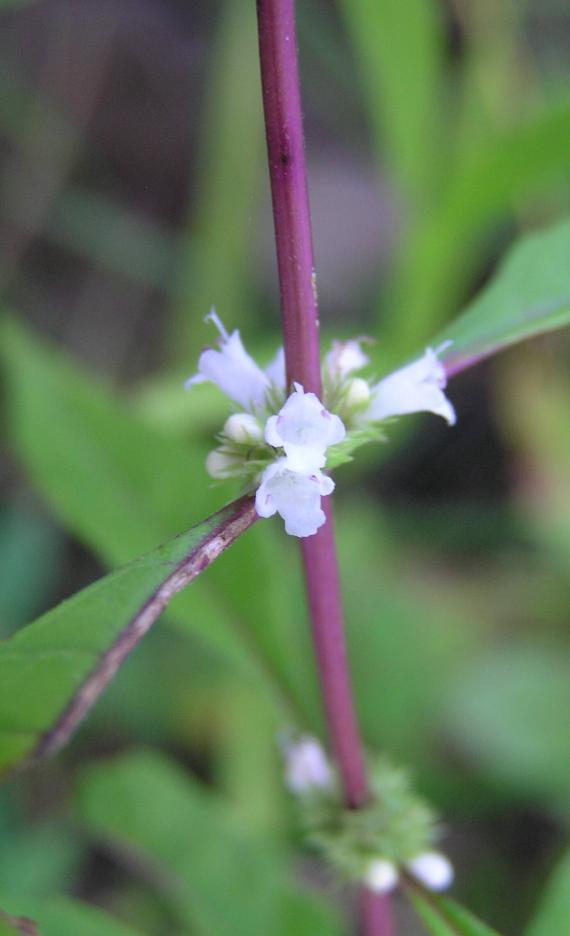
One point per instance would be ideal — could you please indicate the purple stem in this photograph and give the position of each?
(375, 914)
(286, 154)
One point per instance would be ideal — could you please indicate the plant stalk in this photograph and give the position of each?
(299, 312)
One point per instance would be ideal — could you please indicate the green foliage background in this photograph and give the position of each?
(128, 208)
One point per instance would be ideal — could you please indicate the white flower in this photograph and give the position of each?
(234, 371)
(306, 766)
(296, 497)
(433, 870)
(345, 357)
(415, 388)
(304, 429)
(381, 876)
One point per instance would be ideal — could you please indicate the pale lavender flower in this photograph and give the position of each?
(304, 429)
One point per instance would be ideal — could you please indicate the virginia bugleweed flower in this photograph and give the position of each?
(281, 443)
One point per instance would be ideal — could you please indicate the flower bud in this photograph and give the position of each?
(243, 428)
(220, 464)
(306, 766)
(433, 870)
(357, 392)
(381, 876)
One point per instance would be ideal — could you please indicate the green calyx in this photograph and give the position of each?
(397, 824)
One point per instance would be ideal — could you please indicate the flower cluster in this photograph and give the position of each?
(373, 845)
(282, 444)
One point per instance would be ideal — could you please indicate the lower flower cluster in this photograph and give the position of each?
(282, 444)
(377, 845)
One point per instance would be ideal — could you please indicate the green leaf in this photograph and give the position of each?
(553, 914)
(30, 562)
(504, 714)
(24, 870)
(61, 916)
(444, 917)
(221, 879)
(530, 295)
(103, 470)
(120, 485)
(446, 251)
(52, 671)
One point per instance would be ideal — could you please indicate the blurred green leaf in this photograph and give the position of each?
(221, 878)
(400, 52)
(444, 917)
(52, 671)
(61, 916)
(446, 250)
(119, 485)
(217, 252)
(104, 471)
(504, 713)
(530, 295)
(24, 870)
(30, 559)
(553, 914)
(402, 644)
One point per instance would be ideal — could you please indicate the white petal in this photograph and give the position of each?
(306, 766)
(295, 497)
(304, 429)
(232, 369)
(381, 876)
(345, 357)
(433, 870)
(275, 371)
(416, 388)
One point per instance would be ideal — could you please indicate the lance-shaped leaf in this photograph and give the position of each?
(530, 295)
(444, 917)
(52, 671)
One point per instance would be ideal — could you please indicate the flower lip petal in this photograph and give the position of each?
(304, 429)
(295, 496)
